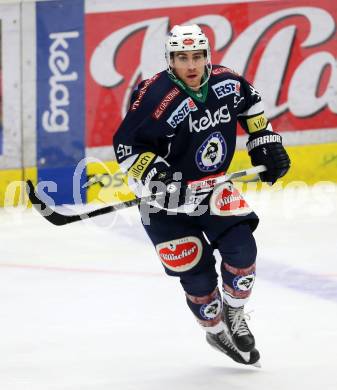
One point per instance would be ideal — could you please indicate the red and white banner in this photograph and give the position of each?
(285, 48)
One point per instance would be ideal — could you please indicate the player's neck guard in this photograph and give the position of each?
(200, 95)
(208, 71)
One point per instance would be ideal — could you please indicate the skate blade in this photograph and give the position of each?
(257, 364)
(245, 355)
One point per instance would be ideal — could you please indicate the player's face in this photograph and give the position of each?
(189, 66)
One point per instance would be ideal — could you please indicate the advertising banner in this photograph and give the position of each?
(10, 101)
(1, 121)
(85, 57)
(281, 47)
(10, 94)
(60, 94)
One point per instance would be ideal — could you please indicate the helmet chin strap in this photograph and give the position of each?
(208, 71)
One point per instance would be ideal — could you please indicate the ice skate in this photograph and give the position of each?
(221, 341)
(235, 319)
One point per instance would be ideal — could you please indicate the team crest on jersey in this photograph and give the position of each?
(212, 153)
(181, 112)
(226, 87)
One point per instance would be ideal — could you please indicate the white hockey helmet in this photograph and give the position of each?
(186, 38)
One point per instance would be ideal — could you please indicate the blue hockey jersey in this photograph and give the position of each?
(193, 133)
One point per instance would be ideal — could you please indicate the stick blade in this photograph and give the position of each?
(42, 208)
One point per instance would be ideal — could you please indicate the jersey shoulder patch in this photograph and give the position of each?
(157, 96)
(165, 102)
(142, 91)
(218, 70)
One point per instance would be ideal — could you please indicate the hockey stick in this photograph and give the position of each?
(60, 219)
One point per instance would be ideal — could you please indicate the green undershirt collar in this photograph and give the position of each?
(200, 95)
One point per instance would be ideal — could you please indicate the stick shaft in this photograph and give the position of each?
(60, 219)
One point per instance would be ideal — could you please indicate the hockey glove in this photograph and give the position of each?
(170, 186)
(265, 148)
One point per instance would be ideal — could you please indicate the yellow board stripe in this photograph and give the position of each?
(107, 183)
(309, 163)
(138, 168)
(11, 187)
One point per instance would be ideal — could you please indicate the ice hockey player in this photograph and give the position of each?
(178, 135)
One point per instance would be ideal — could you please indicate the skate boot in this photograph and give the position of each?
(221, 341)
(235, 319)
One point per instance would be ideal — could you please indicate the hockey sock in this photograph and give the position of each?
(207, 310)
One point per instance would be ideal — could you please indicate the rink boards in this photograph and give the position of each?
(68, 69)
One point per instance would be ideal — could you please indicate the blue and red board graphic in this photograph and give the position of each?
(1, 121)
(60, 95)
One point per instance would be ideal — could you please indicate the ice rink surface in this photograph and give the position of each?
(88, 307)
